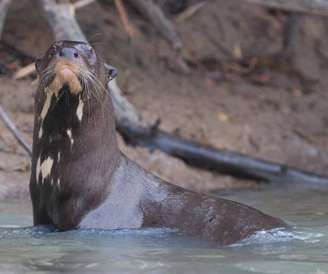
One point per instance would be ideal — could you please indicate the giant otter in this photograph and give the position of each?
(81, 179)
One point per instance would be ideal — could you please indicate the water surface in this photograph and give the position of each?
(305, 250)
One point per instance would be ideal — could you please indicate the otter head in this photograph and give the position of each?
(71, 76)
(75, 66)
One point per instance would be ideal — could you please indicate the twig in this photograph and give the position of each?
(190, 11)
(124, 17)
(24, 71)
(15, 131)
(82, 3)
(4, 5)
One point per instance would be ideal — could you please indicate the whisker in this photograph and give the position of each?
(91, 84)
(46, 76)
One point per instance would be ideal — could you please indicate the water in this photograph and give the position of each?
(304, 250)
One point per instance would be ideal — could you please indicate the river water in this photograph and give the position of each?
(24, 249)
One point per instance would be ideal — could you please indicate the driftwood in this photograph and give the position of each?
(15, 131)
(135, 131)
(4, 5)
(319, 7)
(222, 161)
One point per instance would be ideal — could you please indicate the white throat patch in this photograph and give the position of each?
(44, 169)
(79, 110)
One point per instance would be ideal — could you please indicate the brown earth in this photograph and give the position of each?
(239, 94)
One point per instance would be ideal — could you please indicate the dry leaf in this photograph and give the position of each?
(223, 117)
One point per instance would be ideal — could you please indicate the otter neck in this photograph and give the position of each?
(75, 155)
(60, 110)
(70, 129)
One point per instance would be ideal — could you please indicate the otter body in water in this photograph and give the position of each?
(81, 179)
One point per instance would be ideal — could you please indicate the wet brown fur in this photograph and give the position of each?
(88, 182)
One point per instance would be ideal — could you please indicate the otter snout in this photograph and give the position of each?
(66, 73)
(68, 53)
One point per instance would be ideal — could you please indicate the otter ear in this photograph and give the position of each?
(38, 65)
(111, 72)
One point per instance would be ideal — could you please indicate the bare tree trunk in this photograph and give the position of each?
(4, 5)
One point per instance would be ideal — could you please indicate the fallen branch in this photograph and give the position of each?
(222, 161)
(319, 7)
(157, 17)
(15, 131)
(4, 5)
(135, 131)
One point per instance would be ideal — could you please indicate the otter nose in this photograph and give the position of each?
(69, 53)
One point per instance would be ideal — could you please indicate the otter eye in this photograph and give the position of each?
(52, 51)
(90, 51)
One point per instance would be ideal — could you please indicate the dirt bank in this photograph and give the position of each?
(275, 111)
